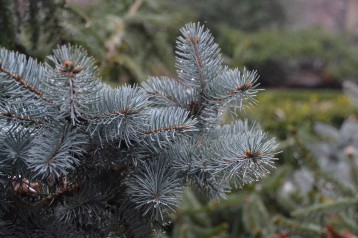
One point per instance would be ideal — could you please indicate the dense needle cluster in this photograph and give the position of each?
(81, 159)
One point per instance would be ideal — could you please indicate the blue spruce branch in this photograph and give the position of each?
(104, 161)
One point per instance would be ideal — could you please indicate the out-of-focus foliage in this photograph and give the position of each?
(322, 193)
(281, 111)
(31, 27)
(248, 15)
(311, 56)
(6, 24)
(129, 39)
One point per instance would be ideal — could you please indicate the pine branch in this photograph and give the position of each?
(327, 131)
(197, 47)
(255, 217)
(119, 114)
(128, 152)
(189, 155)
(319, 209)
(21, 81)
(308, 229)
(88, 200)
(233, 88)
(155, 189)
(25, 73)
(191, 161)
(22, 96)
(235, 128)
(69, 84)
(246, 157)
(15, 146)
(20, 118)
(55, 151)
(165, 92)
(30, 111)
(126, 100)
(215, 187)
(164, 122)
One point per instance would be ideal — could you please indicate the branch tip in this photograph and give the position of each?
(70, 69)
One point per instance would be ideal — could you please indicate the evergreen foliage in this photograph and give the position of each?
(248, 15)
(32, 27)
(120, 35)
(323, 196)
(332, 57)
(81, 159)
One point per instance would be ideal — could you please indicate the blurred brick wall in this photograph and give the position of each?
(352, 17)
(334, 15)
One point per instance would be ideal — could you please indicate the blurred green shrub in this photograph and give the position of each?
(330, 174)
(129, 39)
(247, 15)
(281, 111)
(282, 56)
(136, 37)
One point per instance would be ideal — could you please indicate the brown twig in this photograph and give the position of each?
(64, 190)
(19, 79)
(22, 118)
(179, 127)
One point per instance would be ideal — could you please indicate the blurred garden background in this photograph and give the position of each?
(306, 53)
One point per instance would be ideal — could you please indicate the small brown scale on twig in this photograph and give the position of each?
(157, 197)
(251, 155)
(70, 69)
(192, 40)
(244, 87)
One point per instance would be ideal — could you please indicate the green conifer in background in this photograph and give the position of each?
(81, 159)
(320, 198)
(128, 39)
